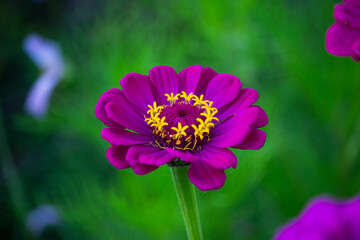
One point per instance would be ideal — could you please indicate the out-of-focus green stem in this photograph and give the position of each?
(187, 200)
(12, 182)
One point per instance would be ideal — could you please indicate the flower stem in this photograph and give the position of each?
(13, 183)
(187, 200)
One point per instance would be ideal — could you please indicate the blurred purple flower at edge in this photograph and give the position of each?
(343, 37)
(42, 217)
(325, 218)
(46, 54)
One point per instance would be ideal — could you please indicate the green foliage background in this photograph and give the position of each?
(276, 47)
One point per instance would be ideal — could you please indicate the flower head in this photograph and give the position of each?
(325, 219)
(343, 37)
(195, 116)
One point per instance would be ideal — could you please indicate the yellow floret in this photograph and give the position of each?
(180, 131)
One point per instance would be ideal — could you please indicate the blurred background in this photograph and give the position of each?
(55, 181)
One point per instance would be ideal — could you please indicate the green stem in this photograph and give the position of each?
(187, 200)
(12, 182)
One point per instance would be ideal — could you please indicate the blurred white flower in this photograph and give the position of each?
(42, 217)
(47, 55)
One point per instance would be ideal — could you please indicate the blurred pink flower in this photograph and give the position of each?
(325, 218)
(343, 37)
(46, 54)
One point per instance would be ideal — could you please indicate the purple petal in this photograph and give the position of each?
(356, 49)
(38, 99)
(220, 158)
(223, 89)
(323, 214)
(355, 2)
(112, 95)
(206, 177)
(340, 39)
(352, 217)
(262, 119)
(126, 117)
(189, 78)
(207, 74)
(156, 158)
(133, 156)
(139, 90)
(246, 98)
(293, 233)
(255, 140)
(234, 130)
(165, 80)
(45, 53)
(116, 156)
(185, 156)
(348, 14)
(119, 136)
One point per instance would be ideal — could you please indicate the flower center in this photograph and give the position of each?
(183, 125)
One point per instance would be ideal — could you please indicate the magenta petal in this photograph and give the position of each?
(118, 136)
(322, 214)
(112, 95)
(340, 39)
(133, 156)
(156, 158)
(255, 140)
(139, 90)
(231, 137)
(206, 177)
(246, 98)
(220, 158)
(223, 89)
(206, 75)
(262, 119)
(165, 80)
(234, 130)
(126, 117)
(189, 78)
(355, 2)
(352, 217)
(356, 49)
(116, 156)
(185, 156)
(348, 14)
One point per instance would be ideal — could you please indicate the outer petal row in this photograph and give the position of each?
(114, 111)
(141, 158)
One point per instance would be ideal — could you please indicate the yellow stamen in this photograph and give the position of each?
(159, 124)
(154, 109)
(199, 101)
(208, 105)
(186, 97)
(207, 124)
(209, 115)
(180, 131)
(171, 98)
(199, 131)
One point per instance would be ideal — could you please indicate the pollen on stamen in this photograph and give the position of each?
(184, 124)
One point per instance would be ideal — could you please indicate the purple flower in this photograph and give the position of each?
(325, 219)
(47, 56)
(343, 37)
(42, 217)
(193, 116)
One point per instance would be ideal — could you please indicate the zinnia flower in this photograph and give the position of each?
(193, 116)
(325, 219)
(343, 37)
